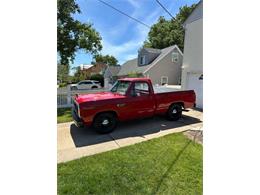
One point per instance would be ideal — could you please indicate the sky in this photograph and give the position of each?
(122, 36)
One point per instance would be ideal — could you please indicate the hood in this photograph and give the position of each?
(97, 96)
(73, 85)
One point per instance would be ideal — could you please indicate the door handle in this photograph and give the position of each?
(120, 105)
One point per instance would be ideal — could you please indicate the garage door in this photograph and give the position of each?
(195, 82)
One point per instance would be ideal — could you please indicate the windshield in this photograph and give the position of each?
(120, 87)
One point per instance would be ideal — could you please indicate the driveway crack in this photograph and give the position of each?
(114, 140)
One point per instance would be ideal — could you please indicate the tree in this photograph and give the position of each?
(169, 32)
(107, 59)
(134, 74)
(63, 72)
(79, 75)
(98, 77)
(74, 35)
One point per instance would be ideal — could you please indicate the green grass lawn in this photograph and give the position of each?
(64, 115)
(168, 165)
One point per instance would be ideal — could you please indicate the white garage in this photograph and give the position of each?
(195, 82)
(192, 67)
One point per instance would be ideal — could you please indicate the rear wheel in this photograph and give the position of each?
(174, 112)
(105, 123)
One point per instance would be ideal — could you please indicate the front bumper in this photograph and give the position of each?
(77, 120)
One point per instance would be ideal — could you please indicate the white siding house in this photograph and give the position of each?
(162, 66)
(192, 69)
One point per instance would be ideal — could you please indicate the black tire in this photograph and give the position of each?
(74, 88)
(94, 87)
(174, 112)
(105, 123)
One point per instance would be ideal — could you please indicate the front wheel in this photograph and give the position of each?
(105, 123)
(174, 112)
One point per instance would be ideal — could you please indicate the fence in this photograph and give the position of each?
(65, 95)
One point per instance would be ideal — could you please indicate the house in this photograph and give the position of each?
(98, 68)
(110, 75)
(85, 66)
(162, 66)
(192, 69)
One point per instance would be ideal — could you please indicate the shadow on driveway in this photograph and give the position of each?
(87, 136)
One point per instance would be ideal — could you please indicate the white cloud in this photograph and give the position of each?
(135, 3)
(122, 52)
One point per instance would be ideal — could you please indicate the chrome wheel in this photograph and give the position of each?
(174, 111)
(105, 122)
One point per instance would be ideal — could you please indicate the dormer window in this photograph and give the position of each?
(175, 57)
(142, 60)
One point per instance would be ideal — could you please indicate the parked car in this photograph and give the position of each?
(86, 84)
(128, 99)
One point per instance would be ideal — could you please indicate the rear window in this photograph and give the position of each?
(141, 88)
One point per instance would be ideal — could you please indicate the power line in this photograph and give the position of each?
(105, 3)
(164, 8)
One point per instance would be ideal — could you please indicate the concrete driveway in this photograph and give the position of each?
(76, 142)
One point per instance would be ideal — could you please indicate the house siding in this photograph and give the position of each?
(193, 50)
(192, 69)
(196, 14)
(107, 73)
(167, 68)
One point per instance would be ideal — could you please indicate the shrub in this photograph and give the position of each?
(98, 77)
(134, 75)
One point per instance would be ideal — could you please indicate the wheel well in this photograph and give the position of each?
(112, 112)
(180, 103)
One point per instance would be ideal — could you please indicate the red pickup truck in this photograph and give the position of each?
(129, 98)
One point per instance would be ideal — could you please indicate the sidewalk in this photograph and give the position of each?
(74, 143)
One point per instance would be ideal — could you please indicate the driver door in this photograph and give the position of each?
(141, 103)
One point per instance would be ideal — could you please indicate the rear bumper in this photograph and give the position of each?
(77, 120)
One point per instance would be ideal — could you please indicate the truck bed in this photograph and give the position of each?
(166, 95)
(165, 89)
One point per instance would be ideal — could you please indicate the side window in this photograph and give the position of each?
(85, 83)
(140, 89)
(142, 60)
(175, 57)
(164, 80)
